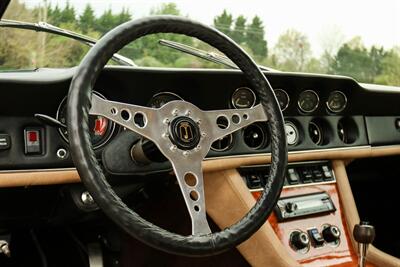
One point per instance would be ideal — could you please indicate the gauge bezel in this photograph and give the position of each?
(264, 136)
(345, 102)
(102, 143)
(288, 98)
(225, 148)
(316, 106)
(162, 93)
(241, 88)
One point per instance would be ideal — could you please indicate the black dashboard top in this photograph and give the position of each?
(321, 111)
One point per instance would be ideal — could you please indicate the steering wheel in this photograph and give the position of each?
(181, 131)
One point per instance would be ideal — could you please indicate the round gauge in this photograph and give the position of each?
(243, 97)
(337, 101)
(160, 99)
(283, 98)
(101, 129)
(223, 143)
(292, 134)
(308, 101)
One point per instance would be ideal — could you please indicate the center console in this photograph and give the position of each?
(308, 217)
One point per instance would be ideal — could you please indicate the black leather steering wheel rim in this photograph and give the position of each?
(79, 103)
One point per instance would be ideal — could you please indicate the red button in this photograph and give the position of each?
(32, 136)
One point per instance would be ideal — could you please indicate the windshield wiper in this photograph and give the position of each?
(46, 27)
(210, 56)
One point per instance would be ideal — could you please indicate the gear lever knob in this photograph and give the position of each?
(364, 234)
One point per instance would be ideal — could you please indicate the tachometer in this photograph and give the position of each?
(308, 101)
(283, 98)
(337, 101)
(101, 129)
(243, 97)
(160, 99)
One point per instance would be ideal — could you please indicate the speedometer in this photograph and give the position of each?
(243, 97)
(160, 99)
(101, 129)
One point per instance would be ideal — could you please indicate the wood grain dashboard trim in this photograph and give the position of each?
(14, 178)
(38, 177)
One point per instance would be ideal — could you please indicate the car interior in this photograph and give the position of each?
(118, 165)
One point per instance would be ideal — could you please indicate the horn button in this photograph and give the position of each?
(184, 133)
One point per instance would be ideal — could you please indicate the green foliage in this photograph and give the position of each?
(28, 49)
(224, 22)
(239, 31)
(67, 14)
(255, 38)
(166, 9)
(355, 60)
(390, 73)
(87, 19)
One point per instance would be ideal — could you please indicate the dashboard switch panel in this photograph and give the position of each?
(298, 174)
(33, 140)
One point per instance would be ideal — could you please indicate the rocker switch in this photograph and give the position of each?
(33, 144)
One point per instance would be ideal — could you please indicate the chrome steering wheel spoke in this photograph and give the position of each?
(190, 179)
(133, 117)
(184, 134)
(224, 122)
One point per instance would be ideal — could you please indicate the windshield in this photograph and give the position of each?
(360, 39)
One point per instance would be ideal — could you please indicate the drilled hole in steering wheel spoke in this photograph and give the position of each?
(235, 118)
(196, 208)
(140, 119)
(125, 115)
(190, 179)
(222, 122)
(114, 111)
(194, 195)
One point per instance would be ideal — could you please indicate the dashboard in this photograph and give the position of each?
(321, 112)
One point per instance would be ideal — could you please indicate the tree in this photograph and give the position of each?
(166, 9)
(239, 31)
(331, 39)
(54, 15)
(87, 19)
(255, 38)
(390, 68)
(123, 16)
(68, 14)
(355, 60)
(292, 51)
(105, 22)
(224, 22)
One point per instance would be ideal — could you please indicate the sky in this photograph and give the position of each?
(325, 22)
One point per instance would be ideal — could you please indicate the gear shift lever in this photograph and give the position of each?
(364, 234)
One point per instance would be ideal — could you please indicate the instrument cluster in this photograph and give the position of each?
(308, 101)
